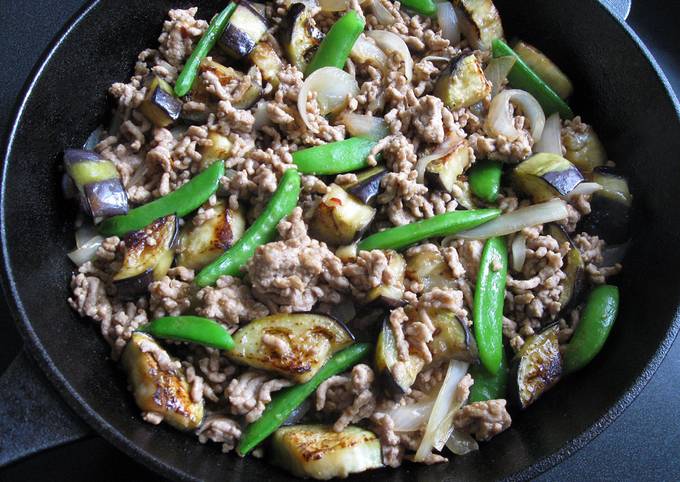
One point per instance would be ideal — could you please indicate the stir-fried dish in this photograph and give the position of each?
(341, 234)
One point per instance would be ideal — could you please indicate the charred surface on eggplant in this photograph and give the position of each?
(160, 105)
(367, 189)
(536, 368)
(396, 375)
(340, 218)
(106, 198)
(611, 208)
(545, 176)
(463, 83)
(226, 76)
(299, 35)
(480, 22)
(268, 61)
(429, 270)
(574, 284)
(245, 29)
(390, 295)
(443, 173)
(452, 339)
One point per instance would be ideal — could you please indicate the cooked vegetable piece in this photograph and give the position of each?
(317, 451)
(244, 30)
(573, 267)
(335, 157)
(157, 388)
(218, 149)
(397, 376)
(425, 7)
(614, 184)
(487, 311)
(452, 339)
(462, 83)
(584, 149)
(485, 180)
(340, 218)
(226, 76)
(284, 402)
(536, 368)
(545, 69)
(545, 176)
(440, 225)
(368, 183)
(106, 198)
(336, 46)
(268, 61)
(188, 75)
(430, 270)
(202, 244)
(444, 172)
(260, 232)
(180, 202)
(593, 328)
(522, 77)
(611, 208)
(310, 340)
(299, 35)
(480, 22)
(160, 105)
(392, 294)
(193, 329)
(489, 386)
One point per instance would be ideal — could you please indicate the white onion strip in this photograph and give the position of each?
(381, 13)
(497, 71)
(366, 52)
(411, 418)
(519, 252)
(360, 125)
(461, 443)
(444, 149)
(391, 42)
(551, 139)
(583, 188)
(448, 22)
(332, 86)
(500, 121)
(334, 5)
(86, 252)
(534, 215)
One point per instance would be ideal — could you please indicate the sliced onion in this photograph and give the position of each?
(309, 3)
(334, 5)
(84, 234)
(448, 22)
(519, 252)
(551, 140)
(359, 125)
(86, 252)
(583, 188)
(461, 443)
(93, 139)
(366, 52)
(440, 423)
(260, 114)
(444, 149)
(435, 58)
(332, 86)
(411, 418)
(497, 71)
(534, 215)
(381, 13)
(500, 121)
(391, 42)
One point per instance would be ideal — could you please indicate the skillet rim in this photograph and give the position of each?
(116, 438)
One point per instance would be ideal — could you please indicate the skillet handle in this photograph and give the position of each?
(620, 8)
(33, 416)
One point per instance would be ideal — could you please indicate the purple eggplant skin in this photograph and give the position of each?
(564, 181)
(106, 198)
(68, 187)
(244, 30)
(368, 189)
(169, 104)
(74, 156)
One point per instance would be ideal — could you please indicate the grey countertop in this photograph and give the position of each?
(642, 444)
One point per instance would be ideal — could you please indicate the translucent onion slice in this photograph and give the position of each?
(366, 52)
(440, 423)
(500, 120)
(583, 189)
(359, 125)
(86, 252)
(435, 58)
(497, 71)
(332, 86)
(551, 140)
(534, 215)
(84, 234)
(381, 13)
(260, 114)
(448, 22)
(519, 252)
(461, 443)
(93, 139)
(334, 5)
(411, 418)
(391, 42)
(444, 149)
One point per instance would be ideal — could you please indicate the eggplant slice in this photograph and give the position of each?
(218, 149)
(390, 295)
(480, 22)
(584, 149)
(545, 69)
(611, 208)
(340, 218)
(227, 77)
(429, 269)
(452, 339)
(574, 284)
(368, 184)
(299, 35)
(396, 376)
(268, 61)
(160, 105)
(246, 27)
(443, 173)
(545, 176)
(462, 83)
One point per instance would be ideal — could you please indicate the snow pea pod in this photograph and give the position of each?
(338, 42)
(425, 7)
(285, 401)
(489, 386)
(439, 225)
(181, 202)
(485, 180)
(335, 157)
(593, 328)
(190, 328)
(188, 75)
(260, 232)
(487, 309)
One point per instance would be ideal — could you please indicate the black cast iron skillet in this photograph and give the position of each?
(619, 89)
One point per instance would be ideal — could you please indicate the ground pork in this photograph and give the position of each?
(352, 394)
(179, 33)
(221, 429)
(213, 367)
(369, 270)
(230, 302)
(591, 249)
(171, 296)
(250, 392)
(484, 420)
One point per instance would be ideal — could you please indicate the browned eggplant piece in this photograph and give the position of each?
(367, 186)
(268, 61)
(396, 376)
(218, 149)
(429, 269)
(480, 22)
(96, 182)
(148, 256)
(443, 173)
(574, 284)
(200, 245)
(611, 208)
(452, 339)
(159, 389)
(545, 176)
(340, 218)
(545, 68)
(160, 105)
(584, 149)
(462, 83)
(390, 295)
(536, 368)
(299, 35)
(250, 94)
(244, 30)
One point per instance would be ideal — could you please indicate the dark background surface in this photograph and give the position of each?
(643, 444)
